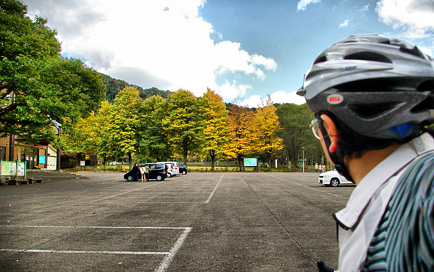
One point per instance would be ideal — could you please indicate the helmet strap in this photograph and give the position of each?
(336, 158)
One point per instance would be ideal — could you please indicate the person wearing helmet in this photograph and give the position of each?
(373, 99)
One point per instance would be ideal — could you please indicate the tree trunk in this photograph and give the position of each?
(185, 153)
(212, 155)
(130, 162)
(241, 164)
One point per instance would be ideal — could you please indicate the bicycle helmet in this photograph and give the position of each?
(379, 87)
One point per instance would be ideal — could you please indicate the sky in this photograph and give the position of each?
(244, 50)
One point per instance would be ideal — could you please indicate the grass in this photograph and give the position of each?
(125, 168)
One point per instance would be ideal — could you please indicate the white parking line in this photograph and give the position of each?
(93, 227)
(213, 191)
(164, 265)
(83, 252)
(302, 185)
(96, 200)
(169, 257)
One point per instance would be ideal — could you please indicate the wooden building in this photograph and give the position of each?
(36, 156)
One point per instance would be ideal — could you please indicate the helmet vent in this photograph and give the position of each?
(370, 56)
(320, 59)
(426, 104)
(371, 111)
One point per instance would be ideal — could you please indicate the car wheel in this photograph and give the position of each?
(184, 172)
(334, 182)
(159, 178)
(169, 175)
(130, 178)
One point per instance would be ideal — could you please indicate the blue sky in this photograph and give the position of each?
(242, 49)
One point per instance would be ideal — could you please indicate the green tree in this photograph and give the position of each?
(102, 128)
(242, 134)
(216, 125)
(295, 120)
(124, 122)
(183, 124)
(81, 137)
(153, 142)
(268, 143)
(38, 85)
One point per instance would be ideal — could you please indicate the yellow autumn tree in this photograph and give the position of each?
(267, 121)
(242, 134)
(215, 120)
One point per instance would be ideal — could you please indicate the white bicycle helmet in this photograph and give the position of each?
(377, 86)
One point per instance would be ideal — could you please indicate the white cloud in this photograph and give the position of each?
(252, 102)
(344, 24)
(231, 58)
(278, 97)
(302, 4)
(232, 91)
(158, 43)
(364, 9)
(413, 16)
(426, 50)
(284, 97)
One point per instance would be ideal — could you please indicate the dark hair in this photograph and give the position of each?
(354, 144)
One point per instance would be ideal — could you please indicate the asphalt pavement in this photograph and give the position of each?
(194, 222)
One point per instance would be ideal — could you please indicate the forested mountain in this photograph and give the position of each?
(114, 86)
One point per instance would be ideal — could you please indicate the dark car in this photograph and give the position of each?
(183, 169)
(157, 172)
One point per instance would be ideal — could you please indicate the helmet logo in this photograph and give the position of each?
(335, 99)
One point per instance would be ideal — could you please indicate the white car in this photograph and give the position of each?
(175, 169)
(332, 178)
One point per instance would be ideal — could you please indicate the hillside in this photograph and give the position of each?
(114, 86)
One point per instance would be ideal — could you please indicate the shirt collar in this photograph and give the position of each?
(362, 194)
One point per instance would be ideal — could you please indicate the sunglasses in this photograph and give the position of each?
(315, 128)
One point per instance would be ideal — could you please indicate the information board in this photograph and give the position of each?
(250, 162)
(42, 159)
(21, 169)
(8, 168)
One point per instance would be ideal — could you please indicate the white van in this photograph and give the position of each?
(175, 168)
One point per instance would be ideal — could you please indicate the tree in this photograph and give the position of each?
(102, 127)
(295, 120)
(242, 134)
(268, 143)
(124, 122)
(32, 94)
(183, 124)
(80, 137)
(215, 119)
(152, 141)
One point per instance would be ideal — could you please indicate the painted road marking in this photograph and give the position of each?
(302, 185)
(213, 191)
(164, 265)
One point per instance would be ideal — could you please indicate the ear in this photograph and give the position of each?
(332, 131)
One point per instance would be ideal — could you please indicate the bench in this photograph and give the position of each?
(18, 181)
(37, 180)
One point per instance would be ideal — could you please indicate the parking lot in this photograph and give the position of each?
(197, 222)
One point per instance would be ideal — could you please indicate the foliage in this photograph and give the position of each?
(242, 133)
(153, 143)
(268, 143)
(81, 137)
(124, 122)
(114, 86)
(215, 121)
(182, 124)
(295, 120)
(37, 84)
